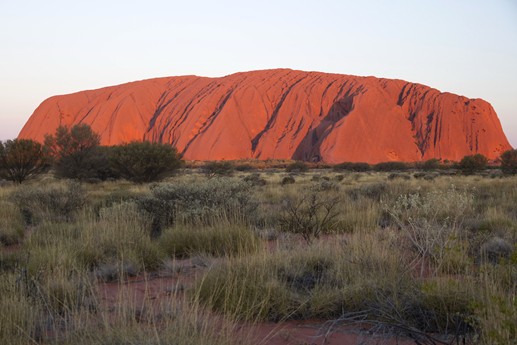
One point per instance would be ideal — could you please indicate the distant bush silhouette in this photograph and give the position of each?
(297, 166)
(352, 166)
(472, 163)
(430, 164)
(391, 166)
(509, 162)
(144, 161)
(21, 159)
(244, 167)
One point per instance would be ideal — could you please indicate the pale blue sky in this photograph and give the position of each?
(54, 47)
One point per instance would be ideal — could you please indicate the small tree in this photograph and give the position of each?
(509, 162)
(76, 152)
(21, 159)
(473, 163)
(68, 141)
(311, 215)
(144, 161)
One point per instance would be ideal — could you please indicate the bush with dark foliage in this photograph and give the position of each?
(297, 166)
(144, 161)
(391, 166)
(88, 165)
(472, 163)
(430, 164)
(21, 159)
(509, 162)
(287, 180)
(352, 166)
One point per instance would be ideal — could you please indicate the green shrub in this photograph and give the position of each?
(509, 162)
(374, 191)
(287, 180)
(297, 166)
(255, 180)
(472, 164)
(207, 202)
(21, 159)
(144, 161)
(89, 165)
(431, 222)
(55, 202)
(221, 168)
(325, 185)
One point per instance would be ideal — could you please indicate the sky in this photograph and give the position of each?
(467, 47)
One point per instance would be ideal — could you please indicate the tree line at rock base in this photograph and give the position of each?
(76, 153)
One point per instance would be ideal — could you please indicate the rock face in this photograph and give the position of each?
(282, 114)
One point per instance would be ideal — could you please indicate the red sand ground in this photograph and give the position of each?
(282, 114)
(156, 289)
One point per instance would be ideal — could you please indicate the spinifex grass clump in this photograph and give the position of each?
(120, 237)
(11, 224)
(43, 306)
(330, 282)
(223, 239)
(62, 307)
(55, 202)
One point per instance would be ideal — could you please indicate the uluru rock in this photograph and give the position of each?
(282, 114)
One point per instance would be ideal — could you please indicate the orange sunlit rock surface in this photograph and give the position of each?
(282, 114)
